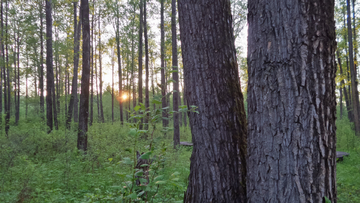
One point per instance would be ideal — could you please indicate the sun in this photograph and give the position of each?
(124, 96)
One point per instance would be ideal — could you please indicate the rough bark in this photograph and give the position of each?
(185, 103)
(291, 101)
(162, 56)
(49, 68)
(85, 79)
(217, 170)
(175, 75)
(354, 90)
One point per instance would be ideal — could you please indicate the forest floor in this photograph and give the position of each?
(40, 167)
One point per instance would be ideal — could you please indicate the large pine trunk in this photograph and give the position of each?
(291, 101)
(217, 170)
(85, 79)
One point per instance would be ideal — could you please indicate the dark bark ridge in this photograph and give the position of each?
(291, 101)
(217, 170)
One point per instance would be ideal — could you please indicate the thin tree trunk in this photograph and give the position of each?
(15, 80)
(7, 81)
(132, 83)
(18, 80)
(218, 168)
(152, 82)
(2, 68)
(343, 87)
(92, 71)
(73, 105)
(112, 85)
(26, 87)
(175, 76)
(162, 53)
(84, 97)
(140, 57)
(147, 102)
(355, 98)
(57, 68)
(100, 72)
(350, 111)
(49, 68)
(291, 102)
(41, 71)
(119, 69)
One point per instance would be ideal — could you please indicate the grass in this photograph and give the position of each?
(40, 167)
(348, 170)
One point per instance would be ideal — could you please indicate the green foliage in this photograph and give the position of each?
(348, 170)
(40, 167)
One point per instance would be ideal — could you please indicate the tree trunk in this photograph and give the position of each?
(18, 79)
(112, 85)
(291, 102)
(49, 68)
(2, 68)
(152, 82)
(343, 87)
(162, 55)
(73, 104)
(85, 79)
(140, 56)
(41, 71)
(26, 87)
(354, 90)
(100, 72)
(175, 76)
(218, 168)
(185, 103)
(92, 42)
(7, 89)
(147, 102)
(119, 68)
(15, 80)
(132, 83)
(350, 111)
(57, 68)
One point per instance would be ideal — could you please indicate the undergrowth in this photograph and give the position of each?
(40, 167)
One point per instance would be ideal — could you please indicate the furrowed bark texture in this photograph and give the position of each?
(217, 170)
(291, 101)
(85, 79)
(49, 68)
